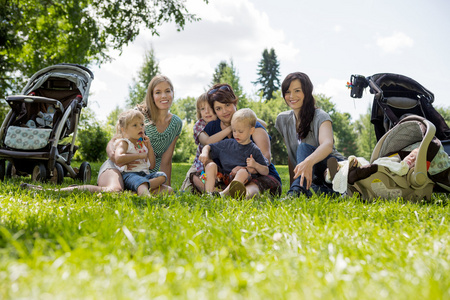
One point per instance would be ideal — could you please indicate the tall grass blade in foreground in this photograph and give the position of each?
(119, 246)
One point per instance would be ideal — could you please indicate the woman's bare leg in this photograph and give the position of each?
(109, 181)
(252, 190)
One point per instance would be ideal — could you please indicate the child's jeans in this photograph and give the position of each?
(132, 180)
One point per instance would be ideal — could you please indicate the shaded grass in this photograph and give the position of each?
(116, 246)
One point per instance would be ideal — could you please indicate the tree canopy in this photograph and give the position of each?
(37, 33)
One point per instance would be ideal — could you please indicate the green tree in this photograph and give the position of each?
(268, 112)
(218, 72)
(269, 73)
(186, 148)
(445, 113)
(366, 135)
(227, 73)
(344, 133)
(113, 116)
(186, 109)
(4, 109)
(38, 33)
(139, 87)
(92, 138)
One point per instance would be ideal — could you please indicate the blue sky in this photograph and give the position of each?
(328, 40)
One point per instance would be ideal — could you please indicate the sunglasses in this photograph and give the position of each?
(223, 88)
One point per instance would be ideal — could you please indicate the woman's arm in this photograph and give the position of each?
(166, 160)
(205, 139)
(263, 123)
(110, 149)
(150, 154)
(262, 140)
(305, 167)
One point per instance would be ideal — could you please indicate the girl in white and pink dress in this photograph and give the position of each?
(132, 145)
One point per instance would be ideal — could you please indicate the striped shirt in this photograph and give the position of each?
(161, 141)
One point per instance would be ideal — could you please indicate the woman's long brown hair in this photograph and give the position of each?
(306, 114)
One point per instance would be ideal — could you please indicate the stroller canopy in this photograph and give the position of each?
(396, 85)
(79, 75)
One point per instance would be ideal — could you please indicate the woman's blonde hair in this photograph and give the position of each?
(148, 106)
(124, 120)
(203, 98)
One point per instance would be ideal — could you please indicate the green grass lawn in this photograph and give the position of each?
(118, 246)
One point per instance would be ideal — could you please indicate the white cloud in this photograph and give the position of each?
(228, 30)
(337, 28)
(235, 30)
(395, 42)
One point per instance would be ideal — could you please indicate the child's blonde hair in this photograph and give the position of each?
(245, 115)
(203, 98)
(124, 120)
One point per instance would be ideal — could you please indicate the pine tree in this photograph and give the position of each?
(139, 87)
(218, 72)
(268, 72)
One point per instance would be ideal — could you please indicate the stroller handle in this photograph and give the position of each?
(359, 82)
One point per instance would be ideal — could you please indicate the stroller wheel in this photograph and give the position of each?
(58, 174)
(39, 173)
(84, 174)
(11, 171)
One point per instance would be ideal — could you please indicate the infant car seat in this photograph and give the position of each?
(415, 185)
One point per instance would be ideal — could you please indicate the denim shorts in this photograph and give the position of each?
(132, 180)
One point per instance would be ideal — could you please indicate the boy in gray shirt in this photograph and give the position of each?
(240, 151)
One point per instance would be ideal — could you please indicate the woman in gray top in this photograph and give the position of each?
(308, 135)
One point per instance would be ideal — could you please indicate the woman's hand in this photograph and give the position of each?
(133, 164)
(304, 169)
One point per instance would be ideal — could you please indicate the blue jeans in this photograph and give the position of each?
(318, 180)
(132, 180)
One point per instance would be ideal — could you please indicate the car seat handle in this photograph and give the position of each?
(419, 175)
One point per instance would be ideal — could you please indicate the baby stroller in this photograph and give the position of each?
(397, 96)
(410, 133)
(401, 111)
(47, 112)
